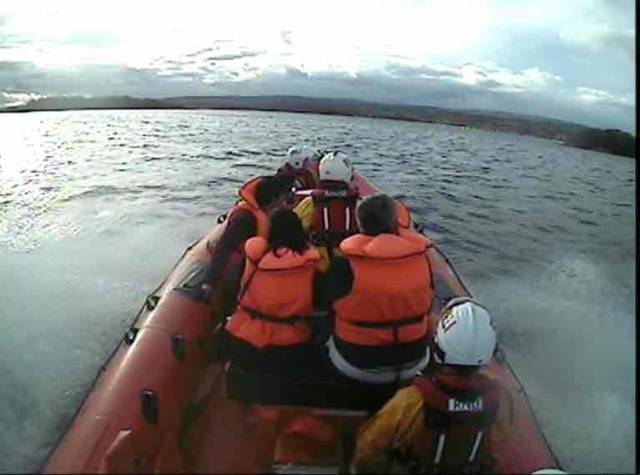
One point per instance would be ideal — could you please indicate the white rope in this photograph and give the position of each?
(439, 449)
(476, 445)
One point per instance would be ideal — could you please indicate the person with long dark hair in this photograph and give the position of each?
(271, 326)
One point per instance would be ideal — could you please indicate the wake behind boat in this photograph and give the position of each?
(164, 402)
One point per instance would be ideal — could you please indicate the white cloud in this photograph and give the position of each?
(450, 46)
(596, 96)
(8, 99)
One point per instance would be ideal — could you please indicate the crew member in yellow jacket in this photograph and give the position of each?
(328, 212)
(450, 417)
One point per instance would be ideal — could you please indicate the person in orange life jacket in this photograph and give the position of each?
(381, 291)
(295, 166)
(248, 218)
(329, 212)
(271, 327)
(452, 414)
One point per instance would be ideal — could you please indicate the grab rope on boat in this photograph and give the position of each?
(128, 339)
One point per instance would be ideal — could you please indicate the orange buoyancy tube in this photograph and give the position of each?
(391, 291)
(403, 216)
(458, 412)
(276, 296)
(248, 202)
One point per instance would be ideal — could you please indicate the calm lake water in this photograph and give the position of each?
(96, 206)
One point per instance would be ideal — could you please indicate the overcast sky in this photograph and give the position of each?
(568, 59)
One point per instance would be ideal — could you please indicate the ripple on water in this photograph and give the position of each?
(450, 196)
(435, 227)
(498, 186)
(550, 197)
(246, 151)
(587, 222)
(453, 217)
(543, 228)
(254, 166)
(234, 180)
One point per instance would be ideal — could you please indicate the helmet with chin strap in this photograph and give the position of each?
(296, 156)
(465, 335)
(336, 166)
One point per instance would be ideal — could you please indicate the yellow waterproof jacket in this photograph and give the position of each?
(400, 425)
(304, 210)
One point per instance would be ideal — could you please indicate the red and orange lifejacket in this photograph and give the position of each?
(391, 292)
(247, 193)
(458, 411)
(276, 296)
(334, 215)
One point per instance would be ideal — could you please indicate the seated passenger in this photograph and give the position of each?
(248, 218)
(294, 166)
(381, 292)
(328, 215)
(271, 327)
(448, 419)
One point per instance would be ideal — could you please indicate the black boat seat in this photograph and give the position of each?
(317, 389)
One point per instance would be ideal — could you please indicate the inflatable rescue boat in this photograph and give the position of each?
(163, 403)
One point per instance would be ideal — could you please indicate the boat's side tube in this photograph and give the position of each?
(130, 421)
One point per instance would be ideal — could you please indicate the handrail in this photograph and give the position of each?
(104, 365)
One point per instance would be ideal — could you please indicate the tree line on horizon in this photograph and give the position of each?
(612, 141)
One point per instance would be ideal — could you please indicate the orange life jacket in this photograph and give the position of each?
(458, 411)
(391, 292)
(334, 215)
(248, 202)
(276, 296)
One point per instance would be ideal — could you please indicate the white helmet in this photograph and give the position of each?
(465, 335)
(544, 471)
(297, 155)
(336, 166)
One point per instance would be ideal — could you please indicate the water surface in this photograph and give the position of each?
(96, 206)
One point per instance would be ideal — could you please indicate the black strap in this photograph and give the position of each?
(289, 320)
(461, 394)
(432, 283)
(401, 322)
(329, 239)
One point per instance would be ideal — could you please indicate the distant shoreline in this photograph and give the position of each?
(611, 141)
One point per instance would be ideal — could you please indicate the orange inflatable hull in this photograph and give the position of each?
(160, 404)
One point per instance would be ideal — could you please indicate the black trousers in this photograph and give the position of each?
(294, 359)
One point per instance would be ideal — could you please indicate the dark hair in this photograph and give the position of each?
(270, 188)
(376, 215)
(285, 230)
